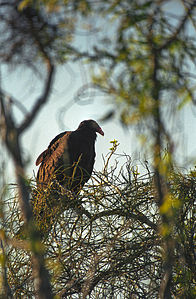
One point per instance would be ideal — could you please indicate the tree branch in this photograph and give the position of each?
(139, 216)
(179, 28)
(40, 101)
(11, 138)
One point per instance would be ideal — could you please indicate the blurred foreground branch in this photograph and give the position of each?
(11, 136)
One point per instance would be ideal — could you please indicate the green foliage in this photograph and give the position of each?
(149, 65)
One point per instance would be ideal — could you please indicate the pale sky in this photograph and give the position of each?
(47, 125)
(68, 80)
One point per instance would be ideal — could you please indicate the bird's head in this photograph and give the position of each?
(91, 124)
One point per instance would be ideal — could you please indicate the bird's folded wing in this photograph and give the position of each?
(53, 157)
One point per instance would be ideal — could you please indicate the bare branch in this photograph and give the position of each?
(129, 214)
(180, 27)
(40, 101)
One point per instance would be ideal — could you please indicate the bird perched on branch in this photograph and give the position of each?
(70, 157)
(68, 161)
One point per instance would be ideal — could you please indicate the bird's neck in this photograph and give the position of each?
(89, 134)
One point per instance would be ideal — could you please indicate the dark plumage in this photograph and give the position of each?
(70, 157)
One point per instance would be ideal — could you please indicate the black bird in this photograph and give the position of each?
(69, 157)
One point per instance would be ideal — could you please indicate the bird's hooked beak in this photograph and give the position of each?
(99, 130)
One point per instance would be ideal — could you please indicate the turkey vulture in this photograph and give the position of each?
(69, 157)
